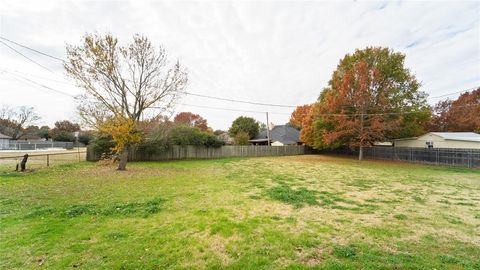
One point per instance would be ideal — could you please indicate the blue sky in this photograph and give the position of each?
(280, 52)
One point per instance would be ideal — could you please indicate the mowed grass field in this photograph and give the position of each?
(297, 212)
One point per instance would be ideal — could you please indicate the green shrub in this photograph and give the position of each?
(213, 141)
(63, 137)
(152, 146)
(241, 138)
(102, 144)
(184, 135)
(85, 138)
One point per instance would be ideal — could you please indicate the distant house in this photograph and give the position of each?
(225, 138)
(4, 141)
(30, 137)
(468, 140)
(279, 135)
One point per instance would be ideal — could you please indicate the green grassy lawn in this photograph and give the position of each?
(299, 212)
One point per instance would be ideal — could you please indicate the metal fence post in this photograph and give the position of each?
(469, 160)
(48, 160)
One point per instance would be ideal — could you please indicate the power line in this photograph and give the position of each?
(458, 92)
(16, 76)
(241, 101)
(216, 108)
(292, 106)
(324, 114)
(40, 77)
(235, 110)
(33, 50)
(31, 60)
(229, 109)
(188, 93)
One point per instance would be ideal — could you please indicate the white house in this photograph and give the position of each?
(469, 140)
(4, 141)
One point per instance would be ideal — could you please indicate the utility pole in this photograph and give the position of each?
(268, 130)
(362, 116)
(360, 152)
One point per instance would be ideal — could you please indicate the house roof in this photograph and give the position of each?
(282, 133)
(3, 136)
(458, 136)
(454, 136)
(404, 139)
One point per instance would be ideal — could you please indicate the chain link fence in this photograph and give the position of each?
(9, 160)
(35, 145)
(469, 158)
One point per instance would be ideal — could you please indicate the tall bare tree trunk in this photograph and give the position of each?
(122, 159)
(360, 153)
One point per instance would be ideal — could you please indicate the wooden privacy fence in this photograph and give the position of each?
(438, 156)
(199, 152)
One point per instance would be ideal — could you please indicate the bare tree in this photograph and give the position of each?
(14, 120)
(122, 81)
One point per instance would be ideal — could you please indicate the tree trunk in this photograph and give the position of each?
(360, 152)
(122, 159)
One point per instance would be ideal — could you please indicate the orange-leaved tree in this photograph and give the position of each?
(191, 120)
(307, 125)
(299, 114)
(462, 114)
(369, 98)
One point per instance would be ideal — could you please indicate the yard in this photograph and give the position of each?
(296, 212)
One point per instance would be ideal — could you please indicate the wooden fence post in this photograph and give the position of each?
(48, 160)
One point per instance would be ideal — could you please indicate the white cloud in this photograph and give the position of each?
(277, 52)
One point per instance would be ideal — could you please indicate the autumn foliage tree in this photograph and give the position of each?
(123, 83)
(191, 120)
(368, 99)
(462, 114)
(13, 120)
(124, 132)
(299, 115)
(314, 127)
(64, 131)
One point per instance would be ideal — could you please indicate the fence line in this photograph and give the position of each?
(469, 158)
(199, 152)
(8, 163)
(34, 145)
